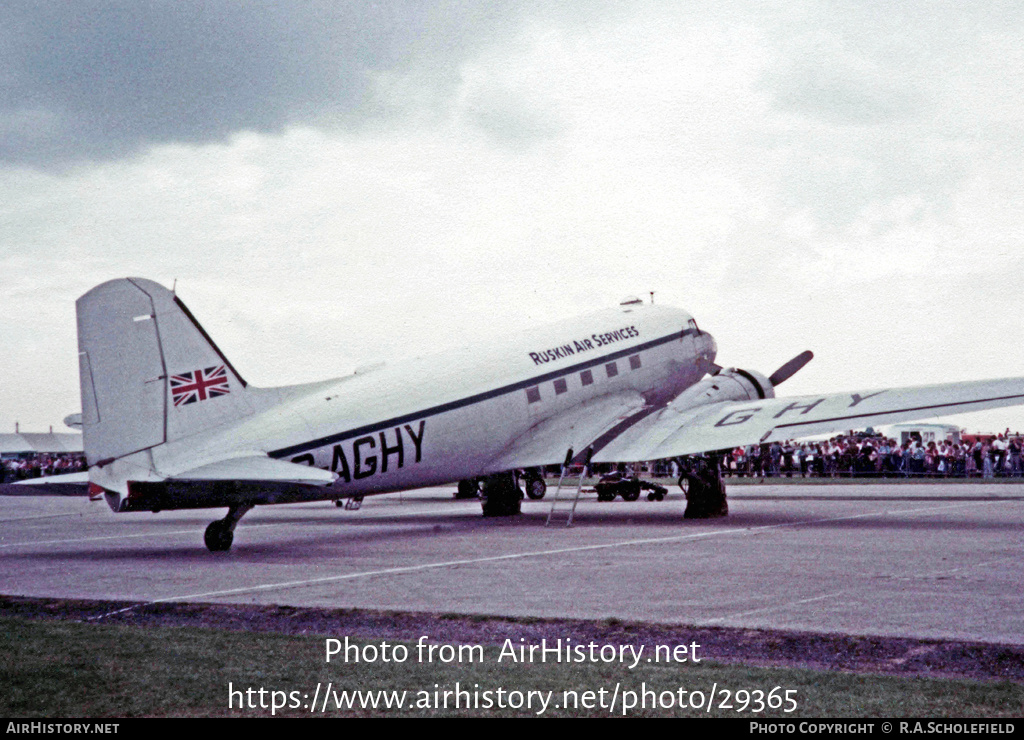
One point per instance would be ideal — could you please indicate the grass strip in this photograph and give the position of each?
(70, 669)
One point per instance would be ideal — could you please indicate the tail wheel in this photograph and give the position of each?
(218, 537)
(221, 533)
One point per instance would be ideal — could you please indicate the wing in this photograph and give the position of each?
(578, 427)
(716, 426)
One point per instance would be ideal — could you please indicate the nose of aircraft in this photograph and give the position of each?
(708, 347)
(707, 350)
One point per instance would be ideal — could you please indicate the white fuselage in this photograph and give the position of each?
(449, 416)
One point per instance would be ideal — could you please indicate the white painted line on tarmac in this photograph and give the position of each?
(30, 543)
(173, 532)
(775, 607)
(41, 516)
(283, 585)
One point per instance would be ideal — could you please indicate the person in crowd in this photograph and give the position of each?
(1013, 452)
(739, 459)
(756, 456)
(917, 459)
(998, 453)
(987, 468)
(787, 465)
(774, 459)
(931, 460)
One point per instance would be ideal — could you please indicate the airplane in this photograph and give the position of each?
(169, 423)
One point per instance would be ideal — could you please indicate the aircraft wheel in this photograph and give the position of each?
(705, 497)
(218, 537)
(536, 488)
(501, 496)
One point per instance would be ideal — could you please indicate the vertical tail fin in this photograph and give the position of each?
(149, 373)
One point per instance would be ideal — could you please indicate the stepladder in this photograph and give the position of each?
(565, 480)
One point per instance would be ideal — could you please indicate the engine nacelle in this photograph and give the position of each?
(731, 384)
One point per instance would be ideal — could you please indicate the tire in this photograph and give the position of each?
(218, 537)
(705, 498)
(536, 488)
(467, 489)
(501, 496)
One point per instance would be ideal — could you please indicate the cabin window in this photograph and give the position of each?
(634, 362)
(611, 369)
(560, 386)
(533, 394)
(587, 377)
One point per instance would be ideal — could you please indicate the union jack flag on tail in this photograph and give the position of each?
(199, 385)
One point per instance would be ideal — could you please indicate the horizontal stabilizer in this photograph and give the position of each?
(66, 484)
(81, 477)
(257, 468)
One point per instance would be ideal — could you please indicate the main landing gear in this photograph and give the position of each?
(501, 495)
(221, 533)
(702, 483)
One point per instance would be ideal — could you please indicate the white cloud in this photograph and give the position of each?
(703, 159)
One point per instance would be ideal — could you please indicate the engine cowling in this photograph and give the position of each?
(731, 384)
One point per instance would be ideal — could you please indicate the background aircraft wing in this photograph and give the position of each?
(727, 424)
(578, 427)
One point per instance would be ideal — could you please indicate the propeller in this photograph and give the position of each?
(785, 372)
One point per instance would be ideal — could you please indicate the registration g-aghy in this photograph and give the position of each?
(169, 423)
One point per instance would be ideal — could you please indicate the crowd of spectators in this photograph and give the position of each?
(36, 466)
(864, 455)
(853, 455)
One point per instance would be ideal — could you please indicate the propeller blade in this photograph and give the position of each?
(790, 368)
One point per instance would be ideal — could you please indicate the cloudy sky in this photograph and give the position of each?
(330, 183)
